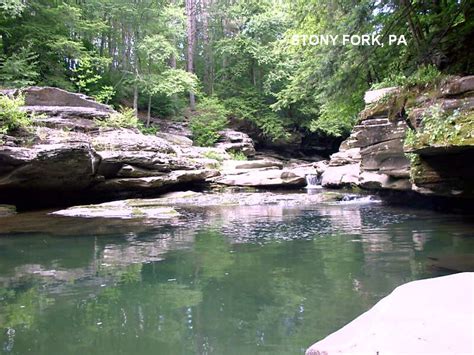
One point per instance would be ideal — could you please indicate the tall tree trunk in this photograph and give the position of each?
(135, 95)
(208, 58)
(135, 86)
(191, 34)
(148, 115)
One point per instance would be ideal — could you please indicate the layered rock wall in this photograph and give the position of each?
(67, 154)
(411, 139)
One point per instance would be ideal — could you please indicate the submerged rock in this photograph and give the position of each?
(125, 209)
(159, 207)
(433, 316)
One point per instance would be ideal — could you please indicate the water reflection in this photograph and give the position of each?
(237, 280)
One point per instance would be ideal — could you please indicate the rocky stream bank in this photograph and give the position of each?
(413, 141)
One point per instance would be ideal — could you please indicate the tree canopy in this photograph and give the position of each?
(156, 55)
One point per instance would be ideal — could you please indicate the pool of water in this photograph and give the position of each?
(234, 280)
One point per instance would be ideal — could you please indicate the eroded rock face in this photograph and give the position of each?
(235, 141)
(114, 162)
(263, 178)
(69, 155)
(374, 156)
(57, 108)
(67, 166)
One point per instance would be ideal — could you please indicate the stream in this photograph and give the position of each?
(217, 280)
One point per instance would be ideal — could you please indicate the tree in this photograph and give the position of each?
(191, 36)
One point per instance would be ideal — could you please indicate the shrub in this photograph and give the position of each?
(11, 116)
(214, 155)
(151, 130)
(19, 69)
(105, 94)
(425, 75)
(209, 119)
(251, 107)
(124, 119)
(237, 156)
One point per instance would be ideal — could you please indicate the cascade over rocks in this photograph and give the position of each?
(374, 156)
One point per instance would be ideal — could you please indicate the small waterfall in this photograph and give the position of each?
(357, 199)
(313, 181)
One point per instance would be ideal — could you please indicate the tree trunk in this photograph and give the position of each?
(135, 98)
(208, 59)
(148, 115)
(191, 34)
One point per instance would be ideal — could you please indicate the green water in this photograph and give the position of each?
(247, 280)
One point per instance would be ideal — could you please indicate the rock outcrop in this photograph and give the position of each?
(267, 173)
(126, 209)
(159, 208)
(431, 316)
(235, 141)
(437, 133)
(68, 154)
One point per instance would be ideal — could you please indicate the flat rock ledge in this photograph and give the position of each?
(433, 316)
(159, 208)
(125, 209)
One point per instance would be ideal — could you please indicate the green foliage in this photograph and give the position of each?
(244, 54)
(11, 8)
(336, 119)
(425, 75)
(210, 118)
(238, 156)
(151, 130)
(442, 128)
(410, 138)
(214, 155)
(126, 118)
(19, 69)
(250, 106)
(11, 116)
(105, 94)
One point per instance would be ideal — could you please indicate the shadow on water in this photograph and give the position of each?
(235, 280)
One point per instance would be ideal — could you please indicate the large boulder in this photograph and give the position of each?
(340, 176)
(130, 140)
(433, 316)
(264, 178)
(232, 165)
(152, 184)
(59, 108)
(377, 181)
(67, 156)
(7, 210)
(67, 166)
(235, 141)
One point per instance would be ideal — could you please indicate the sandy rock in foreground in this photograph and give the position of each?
(434, 316)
